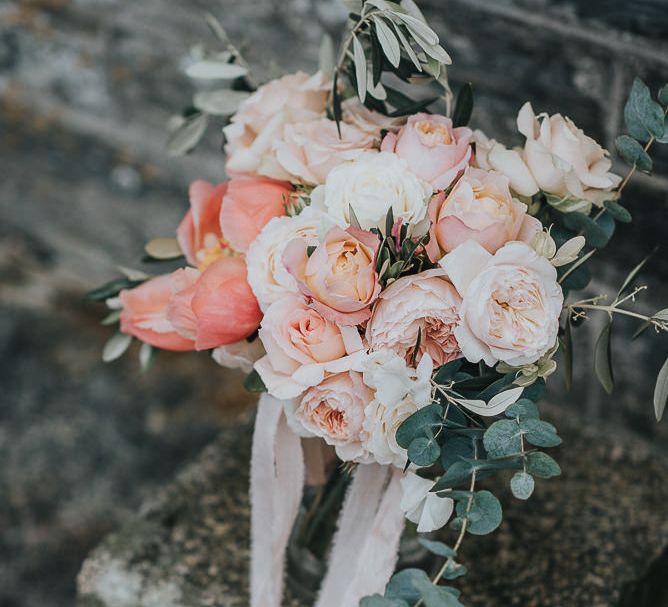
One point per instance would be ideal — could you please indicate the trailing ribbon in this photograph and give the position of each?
(370, 525)
(276, 486)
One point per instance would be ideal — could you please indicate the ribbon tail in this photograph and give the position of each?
(366, 545)
(276, 485)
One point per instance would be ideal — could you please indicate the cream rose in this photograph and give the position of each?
(399, 392)
(372, 123)
(511, 302)
(371, 185)
(563, 160)
(339, 276)
(303, 347)
(239, 355)
(308, 151)
(260, 120)
(433, 149)
(424, 304)
(267, 275)
(481, 208)
(334, 411)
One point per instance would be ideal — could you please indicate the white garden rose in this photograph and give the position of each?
(409, 390)
(563, 160)
(267, 275)
(511, 302)
(239, 355)
(371, 185)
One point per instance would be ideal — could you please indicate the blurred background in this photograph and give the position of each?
(86, 90)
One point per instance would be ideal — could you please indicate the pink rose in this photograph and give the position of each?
(248, 205)
(372, 123)
(260, 119)
(144, 314)
(199, 233)
(424, 304)
(218, 308)
(302, 347)
(308, 151)
(339, 277)
(334, 410)
(481, 208)
(434, 150)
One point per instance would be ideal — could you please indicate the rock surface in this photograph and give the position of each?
(580, 541)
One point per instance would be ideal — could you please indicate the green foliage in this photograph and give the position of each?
(542, 465)
(111, 289)
(603, 359)
(463, 106)
(413, 585)
(661, 392)
(418, 425)
(618, 212)
(523, 409)
(539, 433)
(423, 451)
(644, 117)
(484, 514)
(437, 548)
(522, 485)
(380, 601)
(502, 438)
(254, 383)
(634, 153)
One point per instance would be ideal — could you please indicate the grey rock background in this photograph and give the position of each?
(86, 89)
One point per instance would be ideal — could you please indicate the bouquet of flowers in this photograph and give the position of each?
(397, 286)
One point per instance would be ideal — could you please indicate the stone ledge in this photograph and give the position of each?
(583, 540)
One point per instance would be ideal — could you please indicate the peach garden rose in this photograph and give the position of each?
(303, 347)
(480, 207)
(339, 276)
(424, 304)
(434, 150)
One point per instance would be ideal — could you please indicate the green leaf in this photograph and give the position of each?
(254, 383)
(502, 438)
(618, 212)
(380, 601)
(437, 548)
(522, 485)
(116, 346)
(145, 356)
(423, 451)
(633, 273)
(643, 116)
(112, 318)
(661, 392)
(595, 234)
(663, 96)
(463, 106)
(111, 289)
(524, 409)
(631, 151)
(542, 465)
(417, 106)
(360, 68)
(407, 585)
(186, 136)
(454, 475)
(215, 70)
(540, 433)
(447, 371)
(567, 349)
(223, 102)
(418, 424)
(454, 449)
(485, 514)
(419, 28)
(453, 570)
(388, 41)
(407, 47)
(602, 359)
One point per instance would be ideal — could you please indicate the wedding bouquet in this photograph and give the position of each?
(397, 286)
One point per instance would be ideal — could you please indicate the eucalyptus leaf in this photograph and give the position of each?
(523, 409)
(360, 68)
(388, 41)
(423, 451)
(185, 137)
(663, 96)
(485, 513)
(380, 601)
(116, 346)
(454, 475)
(631, 151)
(418, 424)
(502, 438)
(215, 70)
(522, 485)
(254, 383)
(437, 548)
(407, 585)
(644, 117)
(539, 433)
(542, 465)
(454, 449)
(618, 212)
(661, 392)
(222, 102)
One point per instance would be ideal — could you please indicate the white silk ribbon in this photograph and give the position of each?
(366, 544)
(276, 486)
